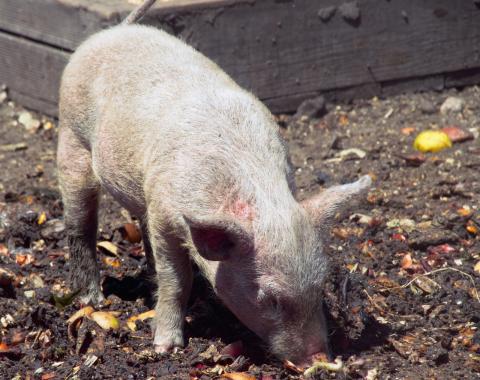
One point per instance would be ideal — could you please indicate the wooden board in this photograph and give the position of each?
(66, 23)
(280, 50)
(31, 69)
(52, 22)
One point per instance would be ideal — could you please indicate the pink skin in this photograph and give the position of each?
(201, 163)
(267, 304)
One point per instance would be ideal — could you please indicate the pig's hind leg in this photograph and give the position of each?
(173, 274)
(147, 247)
(80, 192)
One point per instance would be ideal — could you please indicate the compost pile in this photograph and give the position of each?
(403, 293)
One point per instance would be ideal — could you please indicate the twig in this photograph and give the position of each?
(475, 291)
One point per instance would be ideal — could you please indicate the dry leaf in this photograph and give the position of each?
(136, 251)
(407, 131)
(457, 134)
(131, 233)
(399, 237)
(210, 354)
(332, 367)
(464, 211)
(105, 319)
(466, 336)
(405, 224)
(13, 147)
(234, 349)
(441, 249)
(386, 282)
(3, 250)
(372, 374)
(476, 268)
(292, 367)
(84, 312)
(343, 120)
(48, 125)
(352, 267)
(7, 277)
(18, 337)
(140, 317)
(111, 261)
(36, 281)
(426, 284)
(402, 349)
(238, 376)
(472, 228)
(42, 218)
(23, 260)
(406, 261)
(27, 199)
(109, 247)
(415, 159)
(340, 232)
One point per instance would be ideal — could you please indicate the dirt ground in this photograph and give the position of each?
(403, 291)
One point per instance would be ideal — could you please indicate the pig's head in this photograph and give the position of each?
(270, 269)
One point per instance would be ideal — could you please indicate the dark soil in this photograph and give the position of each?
(403, 292)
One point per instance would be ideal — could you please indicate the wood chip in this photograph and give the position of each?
(13, 147)
(140, 317)
(109, 247)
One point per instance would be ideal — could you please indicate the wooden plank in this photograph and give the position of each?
(66, 23)
(280, 50)
(53, 22)
(429, 83)
(31, 69)
(284, 49)
(31, 102)
(463, 78)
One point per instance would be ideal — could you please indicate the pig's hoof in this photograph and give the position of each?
(166, 349)
(168, 342)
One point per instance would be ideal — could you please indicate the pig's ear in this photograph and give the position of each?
(322, 207)
(219, 239)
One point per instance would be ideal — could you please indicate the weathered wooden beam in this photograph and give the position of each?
(53, 22)
(31, 70)
(281, 50)
(66, 23)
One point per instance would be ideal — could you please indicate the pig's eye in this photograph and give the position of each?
(275, 304)
(270, 302)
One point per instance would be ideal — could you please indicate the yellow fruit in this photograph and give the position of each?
(42, 218)
(432, 141)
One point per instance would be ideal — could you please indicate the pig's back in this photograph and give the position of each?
(123, 70)
(145, 101)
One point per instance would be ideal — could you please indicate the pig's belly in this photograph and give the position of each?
(122, 181)
(124, 195)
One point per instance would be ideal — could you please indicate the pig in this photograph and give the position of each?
(201, 163)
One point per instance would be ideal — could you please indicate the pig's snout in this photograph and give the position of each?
(302, 344)
(314, 352)
(324, 354)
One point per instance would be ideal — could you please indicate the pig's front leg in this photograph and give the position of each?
(174, 280)
(80, 191)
